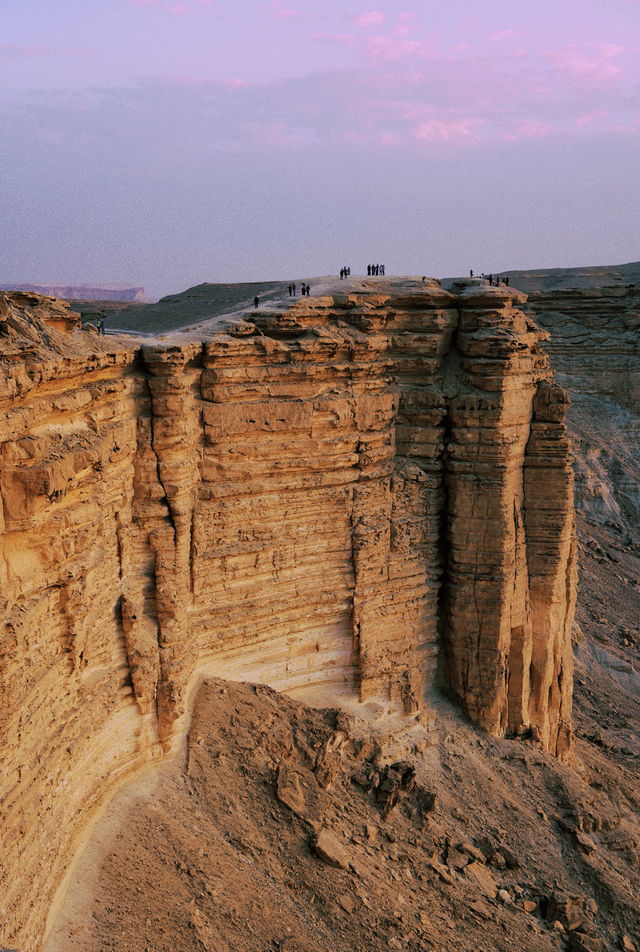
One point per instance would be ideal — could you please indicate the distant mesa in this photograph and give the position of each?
(82, 292)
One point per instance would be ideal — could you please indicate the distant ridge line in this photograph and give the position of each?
(81, 292)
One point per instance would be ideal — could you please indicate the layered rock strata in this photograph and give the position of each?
(594, 349)
(370, 491)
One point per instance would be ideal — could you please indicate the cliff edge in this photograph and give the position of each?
(368, 490)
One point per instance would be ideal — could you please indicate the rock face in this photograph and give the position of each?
(372, 491)
(594, 350)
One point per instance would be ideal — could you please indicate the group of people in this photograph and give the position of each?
(375, 269)
(344, 272)
(305, 290)
(491, 278)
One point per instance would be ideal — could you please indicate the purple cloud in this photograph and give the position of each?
(172, 6)
(371, 18)
(498, 35)
(590, 64)
(280, 12)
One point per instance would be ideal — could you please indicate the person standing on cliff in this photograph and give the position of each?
(256, 301)
(470, 272)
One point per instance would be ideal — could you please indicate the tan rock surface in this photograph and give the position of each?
(269, 504)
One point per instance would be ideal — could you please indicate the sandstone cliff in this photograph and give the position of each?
(594, 349)
(368, 490)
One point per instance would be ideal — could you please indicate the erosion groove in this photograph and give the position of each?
(269, 504)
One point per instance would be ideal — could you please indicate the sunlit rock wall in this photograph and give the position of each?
(369, 492)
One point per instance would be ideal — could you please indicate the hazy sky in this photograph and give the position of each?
(167, 142)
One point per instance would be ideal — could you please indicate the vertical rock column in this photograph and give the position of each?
(397, 520)
(176, 438)
(388, 529)
(491, 632)
(551, 558)
(421, 333)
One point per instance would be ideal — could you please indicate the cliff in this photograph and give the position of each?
(371, 491)
(594, 349)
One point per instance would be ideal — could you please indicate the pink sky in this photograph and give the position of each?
(134, 97)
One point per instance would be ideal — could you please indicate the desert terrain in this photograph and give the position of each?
(314, 817)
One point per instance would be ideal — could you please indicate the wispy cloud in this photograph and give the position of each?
(371, 18)
(499, 35)
(281, 12)
(180, 7)
(443, 130)
(591, 64)
(406, 24)
(399, 84)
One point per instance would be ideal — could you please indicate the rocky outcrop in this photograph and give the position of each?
(371, 491)
(594, 350)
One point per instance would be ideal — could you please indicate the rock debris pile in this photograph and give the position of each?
(289, 829)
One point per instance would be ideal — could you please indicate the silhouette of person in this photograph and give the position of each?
(308, 289)
(471, 272)
(490, 280)
(506, 279)
(290, 291)
(382, 269)
(369, 270)
(256, 301)
(293, 289)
